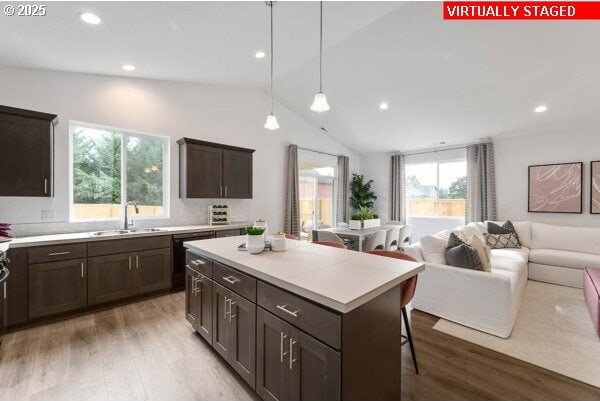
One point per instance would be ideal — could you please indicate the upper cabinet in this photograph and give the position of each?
(26, 152)
(212, 170)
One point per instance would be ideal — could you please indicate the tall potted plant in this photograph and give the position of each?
(362, 199)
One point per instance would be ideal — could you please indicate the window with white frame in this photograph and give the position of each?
(111, 166)
(436, 188)
(317, 175)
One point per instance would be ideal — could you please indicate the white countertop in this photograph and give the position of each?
(86, 236)
(337, 278)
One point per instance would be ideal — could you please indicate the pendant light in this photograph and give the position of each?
(320, 103)
(271, 123)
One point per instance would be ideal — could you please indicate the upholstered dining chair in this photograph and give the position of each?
(322, 235)
(374, 241)
(408, 290)
(331, 244)
(404, 239)
(292, 236)
(391, 238)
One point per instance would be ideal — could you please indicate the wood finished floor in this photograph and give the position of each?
(147, 351)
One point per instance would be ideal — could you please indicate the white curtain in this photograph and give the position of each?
(481, 183)
(291, 223)
(342, 189)
(398, 188)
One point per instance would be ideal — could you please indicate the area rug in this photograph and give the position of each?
(553, 331)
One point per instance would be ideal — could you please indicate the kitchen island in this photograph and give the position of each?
(312, 322)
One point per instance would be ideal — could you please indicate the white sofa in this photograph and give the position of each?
(490, 301)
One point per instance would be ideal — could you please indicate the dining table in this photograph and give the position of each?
(356, 236)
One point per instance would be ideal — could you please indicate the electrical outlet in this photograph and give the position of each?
(47, 214)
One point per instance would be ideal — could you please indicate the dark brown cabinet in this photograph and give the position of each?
(293, 365)
(198, 303)
(56, 287)
(234, 330)
(110, 278)
(152, 271)
(212, 170)
(26, 154)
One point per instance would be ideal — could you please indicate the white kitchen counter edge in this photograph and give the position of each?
(54, 239)
(303, 292)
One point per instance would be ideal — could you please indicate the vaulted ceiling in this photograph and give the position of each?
(445, 81)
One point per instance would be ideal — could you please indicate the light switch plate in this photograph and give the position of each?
(47, 214)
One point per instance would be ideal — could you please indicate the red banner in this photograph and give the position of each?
(521, 10)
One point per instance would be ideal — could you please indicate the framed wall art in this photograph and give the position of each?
(556, 188)
(595, 187)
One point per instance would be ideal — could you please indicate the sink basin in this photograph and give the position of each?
(109, 232)
(147, 230)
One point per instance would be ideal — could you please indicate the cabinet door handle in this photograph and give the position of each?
(59, 253)
(221, 191)
(197, 289)
(231, 315)
(231, 279)
(45, 185)
(286, 310)
(81, 269)
(292, 360)
(282, 337)
(198, 262)
(137, 262)
(130, 263)
(225, 309)
(226, 192)
(4, 284)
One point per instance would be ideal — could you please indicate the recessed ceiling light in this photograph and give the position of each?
(541, 108)
(128, 67)
(383, 106)
(260, 54)
(90, 18)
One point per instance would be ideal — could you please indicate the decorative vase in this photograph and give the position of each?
(255, 243)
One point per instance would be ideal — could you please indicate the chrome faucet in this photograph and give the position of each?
(125, 222)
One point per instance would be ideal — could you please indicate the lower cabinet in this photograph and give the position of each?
(110, 278)
(234, 331)
(152, 270)
(56, 287)
(198, 302)
(293, 365)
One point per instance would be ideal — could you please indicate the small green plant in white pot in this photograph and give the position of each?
(364, 218)
(255, 240)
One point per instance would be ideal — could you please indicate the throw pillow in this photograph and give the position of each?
(499, 241)
(460, 254)
(433, 248)
(506, 228)
(482, 250)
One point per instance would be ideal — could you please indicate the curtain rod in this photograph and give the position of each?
(318, 151)
(463, 146)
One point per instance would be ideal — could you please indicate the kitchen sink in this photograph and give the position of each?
(109, 232)
(147, 230)
(122, 232)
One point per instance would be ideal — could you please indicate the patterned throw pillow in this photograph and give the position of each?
(499, 241)
(506, 228)
(482, 250)
(459, 254)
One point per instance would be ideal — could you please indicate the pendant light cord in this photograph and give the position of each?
(271, 5)
(321, 52)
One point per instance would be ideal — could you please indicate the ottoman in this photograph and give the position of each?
(591, 293)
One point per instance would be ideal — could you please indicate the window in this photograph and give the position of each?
(110, 167)
(317, 175)
(436, 189)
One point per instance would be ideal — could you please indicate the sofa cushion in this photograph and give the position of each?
(497, 241)
(433, 247)
(520, 255)
(522, 228)
(555, 257)
(576, 239)
(506, 228)
(469, 230)
(482, 250)
(459, 254)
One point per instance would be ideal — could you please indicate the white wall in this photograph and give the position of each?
(376, 167)
(220, 114)
(514, 155)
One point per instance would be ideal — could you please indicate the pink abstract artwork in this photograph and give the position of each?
(595, 192)
(555, 188)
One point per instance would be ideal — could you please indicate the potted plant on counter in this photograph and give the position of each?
(255, 240)
(364, 218)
